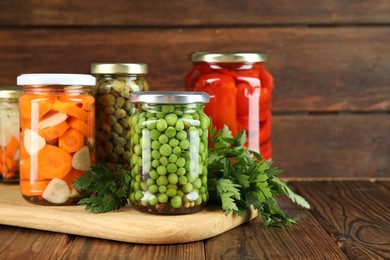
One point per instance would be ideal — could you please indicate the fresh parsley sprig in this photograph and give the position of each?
(239, 178)
(109, 191)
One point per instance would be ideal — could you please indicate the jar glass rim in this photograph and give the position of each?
(169, 97)
(55, 79)
(228, 56)
(10, 92)
(119, 68)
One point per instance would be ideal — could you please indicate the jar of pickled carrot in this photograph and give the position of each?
(240, 90)
(114, 84)
(9, 133)
(56, 135)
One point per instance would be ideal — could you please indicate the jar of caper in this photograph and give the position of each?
(169, 152)
(115, 83)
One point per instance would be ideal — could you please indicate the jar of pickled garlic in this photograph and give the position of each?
(9, 133)
(240, 90)
(169, 152)
(115, 83)
(57, 116)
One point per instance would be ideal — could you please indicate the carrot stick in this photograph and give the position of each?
(83, 101)
(53, 162)
(11, 148)
(51, 133)
(80, 126)
(71, 141)
(70, 109)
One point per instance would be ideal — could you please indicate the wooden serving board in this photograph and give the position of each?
(127, 224)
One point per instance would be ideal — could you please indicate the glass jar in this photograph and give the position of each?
(57, 115)
(115, 83)
(9, 133)
(169, 152)
(240, 90)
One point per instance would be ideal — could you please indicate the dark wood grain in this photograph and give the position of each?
(315, 69)
(192, 12)
(384, 184)
(91, 248)
(332, 146)
(356, 215)
(20, 243)
(254, 241)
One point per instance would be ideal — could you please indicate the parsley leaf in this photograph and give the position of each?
(109, 190)
(240, 179)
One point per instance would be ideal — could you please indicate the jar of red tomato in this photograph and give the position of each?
(240, 91)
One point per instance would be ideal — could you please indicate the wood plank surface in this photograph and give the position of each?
(355, 214)
(127, 224)
(307, 240)
(191, 12)
(315, 69)
(20, 243)
(332, 146)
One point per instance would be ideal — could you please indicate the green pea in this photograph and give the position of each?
(153, 189)
(155, 163)
(161, 170)
(176, 202)
(154, 134)
(174, 142)
(144, 187)
(170, 132)
(165, 150)
(156, 145)
(197, 183)
(162, 198)
(153, 174)
(199, 200)
(162, 180)
(182, 180)
(171, 168)
(172, 158)
(191, 177)
(155, 154)
(178, 112)
(162, 189)
(149, 114)
(150, 182)
(163, 139)
(172, 178)
(151, 123)
(171, 192)
(179, 125)
(167, 108)
(138, 195)
(176, 150)
(180, 162)
(153, 201)
(164, 161)
(185, 144)
(161, 125)
(181, 171)
(180, 193)
(171, 119)
(160, 115)
(137, 149)
(187, 188)
(182, 135)
(136, 185)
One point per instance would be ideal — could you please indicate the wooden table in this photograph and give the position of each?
(348, 219)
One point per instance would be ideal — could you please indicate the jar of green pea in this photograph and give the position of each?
(169, 152)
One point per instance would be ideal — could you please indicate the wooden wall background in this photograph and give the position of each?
(330, 60)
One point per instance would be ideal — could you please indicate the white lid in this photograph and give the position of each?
(56, 79)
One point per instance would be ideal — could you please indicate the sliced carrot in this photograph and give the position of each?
(71, 177)
(12, 147)
(70, 109)
(80, 126)
(25, 169)
(11, 164)
(53, 162)
(51, 133)
(71, 141)
(86, 102)
(31, 105)
(32, 188)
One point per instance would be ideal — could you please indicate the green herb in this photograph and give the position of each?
(109, 190)
(240, 178)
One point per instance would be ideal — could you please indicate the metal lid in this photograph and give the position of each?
(119, 68)
(10, 92)
(167, 97)
(228, 56)
(56, 79)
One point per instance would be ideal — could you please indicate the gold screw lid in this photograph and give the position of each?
(119, 68)
(10, 92)
(228, 56)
